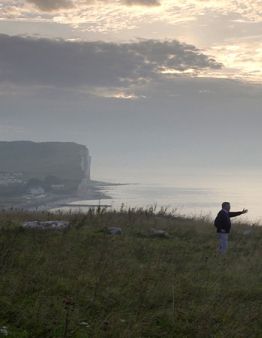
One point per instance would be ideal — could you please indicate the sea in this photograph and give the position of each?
(193, 194)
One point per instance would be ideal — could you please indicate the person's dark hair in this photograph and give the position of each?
(225, 204)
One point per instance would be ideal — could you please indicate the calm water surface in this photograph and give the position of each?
(187, 194)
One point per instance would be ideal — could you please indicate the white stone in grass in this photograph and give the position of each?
(160, 233)
(115, 231)
(245, 232)
(46, 224)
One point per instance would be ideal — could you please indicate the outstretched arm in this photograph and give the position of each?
(237, 213)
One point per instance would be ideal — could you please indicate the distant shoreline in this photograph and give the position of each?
(94, 192)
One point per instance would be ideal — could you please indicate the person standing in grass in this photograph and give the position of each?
(223, 224)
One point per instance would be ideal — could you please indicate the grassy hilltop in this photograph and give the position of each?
(84, 282)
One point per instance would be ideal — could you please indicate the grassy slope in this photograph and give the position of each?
(133, 285)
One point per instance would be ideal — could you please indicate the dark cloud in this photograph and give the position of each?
(52, 5)
(55, 5)
(174, 55)
(30, 61)
(142, 2)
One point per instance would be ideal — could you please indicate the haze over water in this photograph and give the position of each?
(189, 193)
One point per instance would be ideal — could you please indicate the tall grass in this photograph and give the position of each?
(84, 282)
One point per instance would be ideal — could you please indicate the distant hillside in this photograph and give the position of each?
(65, 160)
(22, 162)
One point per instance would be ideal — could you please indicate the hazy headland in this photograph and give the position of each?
(46, 174)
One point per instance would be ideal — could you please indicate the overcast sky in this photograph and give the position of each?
(159, 84)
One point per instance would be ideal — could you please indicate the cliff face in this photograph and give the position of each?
(85, 166)
(85, 163)
(65, 160)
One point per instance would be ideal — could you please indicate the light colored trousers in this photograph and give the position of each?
(222, 242)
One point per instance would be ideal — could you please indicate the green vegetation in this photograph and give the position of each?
(84, 282)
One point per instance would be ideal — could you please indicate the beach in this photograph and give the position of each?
(94, 191)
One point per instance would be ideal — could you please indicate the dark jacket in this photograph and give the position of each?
(222, 221)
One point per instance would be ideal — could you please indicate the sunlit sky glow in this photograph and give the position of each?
(177, 78)
(234, 25)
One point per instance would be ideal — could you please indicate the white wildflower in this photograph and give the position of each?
(84, 324)
(4, 330)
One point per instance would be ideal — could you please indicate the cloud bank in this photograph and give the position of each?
(31, 61)
(52, 5)
(148, 3)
